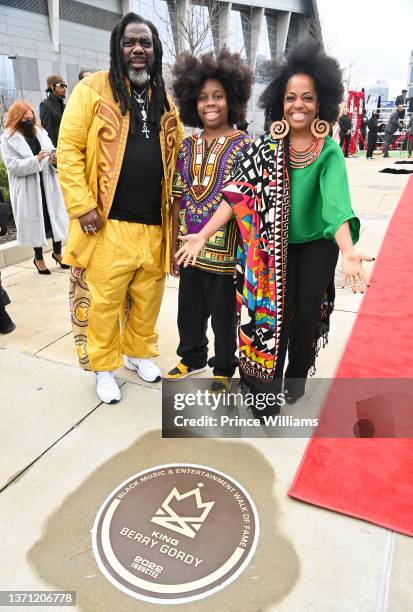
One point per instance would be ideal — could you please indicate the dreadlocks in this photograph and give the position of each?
(159, 101)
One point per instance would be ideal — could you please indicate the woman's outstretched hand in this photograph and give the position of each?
(190, 250)
(352, 269)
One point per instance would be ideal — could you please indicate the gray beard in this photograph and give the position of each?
(138, 77)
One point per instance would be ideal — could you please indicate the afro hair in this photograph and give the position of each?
(307, 58)
(190, 73)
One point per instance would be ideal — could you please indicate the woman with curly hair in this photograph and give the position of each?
(212, 94)
(291, 198)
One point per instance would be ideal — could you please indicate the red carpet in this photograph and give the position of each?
(372, 479)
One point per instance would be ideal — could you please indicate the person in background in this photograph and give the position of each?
(6, 324)
(84, 73)
(52, 108)
(344, 123)
(212, 94)
(363, 128)
(402, 100)
(35, 194)
(394, 123)
(410, 136)
(373, 128)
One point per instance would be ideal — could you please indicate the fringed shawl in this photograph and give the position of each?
(259, 192)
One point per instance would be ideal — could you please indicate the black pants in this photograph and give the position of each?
(388, 141)
(346, 139)
(57, 246)
(371, 143)
(202, 295)
(310, 268)
(57, 250)
(362, 139)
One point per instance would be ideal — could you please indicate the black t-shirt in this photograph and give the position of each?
(34, 144)
(138, 193)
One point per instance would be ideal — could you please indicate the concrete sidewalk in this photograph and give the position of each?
(63, 452)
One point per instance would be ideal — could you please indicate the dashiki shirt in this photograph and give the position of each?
(201, 171)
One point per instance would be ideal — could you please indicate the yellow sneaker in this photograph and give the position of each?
(221, 384)
(181, 371)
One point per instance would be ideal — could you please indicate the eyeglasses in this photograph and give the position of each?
(61, 85)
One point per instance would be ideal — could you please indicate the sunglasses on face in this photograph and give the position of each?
(61, 85)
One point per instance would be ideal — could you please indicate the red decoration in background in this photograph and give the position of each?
(355, 105)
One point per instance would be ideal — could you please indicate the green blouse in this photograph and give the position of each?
(320, 198)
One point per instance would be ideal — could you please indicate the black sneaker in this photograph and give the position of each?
(181, 371)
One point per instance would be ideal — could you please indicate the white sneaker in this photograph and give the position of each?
(107, 388)
(145, 368)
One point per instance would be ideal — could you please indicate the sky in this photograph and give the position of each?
(373, 37)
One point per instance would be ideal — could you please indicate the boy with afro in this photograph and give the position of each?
(212, 94)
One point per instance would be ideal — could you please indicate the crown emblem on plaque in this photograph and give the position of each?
(189, 526)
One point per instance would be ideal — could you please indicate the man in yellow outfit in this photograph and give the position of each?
(118, 143)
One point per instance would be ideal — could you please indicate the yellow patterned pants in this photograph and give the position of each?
(115, 302)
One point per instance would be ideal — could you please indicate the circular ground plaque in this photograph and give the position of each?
(175, 533)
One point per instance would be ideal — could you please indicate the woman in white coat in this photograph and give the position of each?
(35, 194)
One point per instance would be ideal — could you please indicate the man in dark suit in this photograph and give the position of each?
(394, 123)
(344, 123)
(403, 99)
(51, 109)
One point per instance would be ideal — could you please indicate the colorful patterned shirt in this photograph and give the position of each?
(201, 171)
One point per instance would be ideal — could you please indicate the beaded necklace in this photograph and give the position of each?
(302, 159)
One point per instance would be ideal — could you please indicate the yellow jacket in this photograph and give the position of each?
(90, 151)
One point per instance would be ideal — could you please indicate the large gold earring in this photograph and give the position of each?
(320, 128)
(279, 129)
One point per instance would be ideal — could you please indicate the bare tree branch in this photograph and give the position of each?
(188, 30)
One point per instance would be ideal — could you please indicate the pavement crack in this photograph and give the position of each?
(16, 478)
(139, 383)
(82, 552)
(51, 343)
(381, 201)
